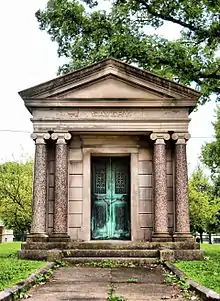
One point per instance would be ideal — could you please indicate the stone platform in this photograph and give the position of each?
(95, 251)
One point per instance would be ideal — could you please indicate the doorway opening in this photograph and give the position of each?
(110, 210)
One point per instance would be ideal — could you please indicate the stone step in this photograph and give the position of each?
(110, 253)
(109, 260)
(110, 245)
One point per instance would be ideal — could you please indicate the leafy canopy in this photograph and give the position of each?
(203, 206)
(85, 34)
(210, 154)
(16, 195)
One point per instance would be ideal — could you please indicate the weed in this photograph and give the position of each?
(207, 271)
(132, 280)
(111, 296)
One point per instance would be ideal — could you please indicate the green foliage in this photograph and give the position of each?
(202, 204)
(16, 195)
(86, 35)
(206, 272)
(111, 296)
(172, 279)
(132, 280)
(210, 156)
(12, 269)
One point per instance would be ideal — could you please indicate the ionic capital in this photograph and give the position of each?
(40, 138)
(61, 138)
(181, 138)
(159, 137)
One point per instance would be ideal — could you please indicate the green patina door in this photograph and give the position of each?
(110, 198)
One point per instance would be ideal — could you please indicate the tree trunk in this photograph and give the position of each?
(201, 238)
(210, 238)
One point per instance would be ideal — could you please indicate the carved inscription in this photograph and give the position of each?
(105, 114)
(111, 113)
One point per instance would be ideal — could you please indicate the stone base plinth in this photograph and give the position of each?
(178, 236)
(37, 237)
(161, 237)
(59, 237)
(164, 250)
(188, 254)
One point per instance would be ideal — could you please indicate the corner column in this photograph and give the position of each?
(60, 228)
(182, 225)
(160, 188)
(38, 226)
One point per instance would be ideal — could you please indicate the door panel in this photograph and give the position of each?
(120, 198)
(110, 198)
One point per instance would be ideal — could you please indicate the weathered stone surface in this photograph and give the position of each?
(110, 109)
(181, 206)
(167, 255)
(110, 253)
(185, 245)
(160, 189)
(38, 227)
(75, 283)
(189, 254)
(61, 188)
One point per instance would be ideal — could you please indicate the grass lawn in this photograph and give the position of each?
(205, 272)
(12, 269)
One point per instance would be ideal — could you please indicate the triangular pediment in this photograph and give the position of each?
(110, 87)
(109, 79)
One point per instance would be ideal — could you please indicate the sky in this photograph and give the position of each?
(28, 57)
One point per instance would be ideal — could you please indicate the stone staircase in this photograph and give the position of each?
(113, 255)
(117, 251)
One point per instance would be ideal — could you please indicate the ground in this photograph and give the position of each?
(12, 269)
(99, 284)
(206, 272)
(89, 283)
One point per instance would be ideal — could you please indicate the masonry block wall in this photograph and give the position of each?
(145, 210)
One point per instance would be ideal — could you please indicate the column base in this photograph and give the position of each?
(181, 236)
(37, 237)
(162, 236)
(59, 237)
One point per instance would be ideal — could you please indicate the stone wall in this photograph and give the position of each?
(89, 143)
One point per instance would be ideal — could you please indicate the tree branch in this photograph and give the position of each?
(150, 9)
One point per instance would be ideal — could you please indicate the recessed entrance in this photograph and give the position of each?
(110, 212)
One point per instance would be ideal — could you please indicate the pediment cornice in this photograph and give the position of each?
(61, 86)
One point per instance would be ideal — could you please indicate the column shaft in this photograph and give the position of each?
(160, 188)
(182, 227)
(60, 228)
(38, 226)
(61, 190)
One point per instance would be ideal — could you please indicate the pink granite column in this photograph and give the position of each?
(38, 226)
(182, 225)
(160, 188)
(60, 231)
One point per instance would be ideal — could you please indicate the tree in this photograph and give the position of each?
(204, 207)
(86, 35)
(210, 154)
(16, 195)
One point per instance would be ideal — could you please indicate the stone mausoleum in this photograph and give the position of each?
(110, 165)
